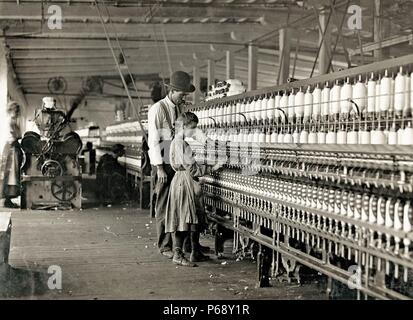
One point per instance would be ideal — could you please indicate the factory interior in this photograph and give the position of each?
(300, 182)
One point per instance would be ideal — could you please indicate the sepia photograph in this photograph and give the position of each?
(206, 154)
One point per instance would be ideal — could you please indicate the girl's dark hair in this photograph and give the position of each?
(186, 118)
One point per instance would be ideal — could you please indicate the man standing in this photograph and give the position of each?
(161, 121)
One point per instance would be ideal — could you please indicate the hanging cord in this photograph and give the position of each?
(340, 35)
(168, 57)
(322, 39)
(120, 71)
(158, 50)
(283, 50)
(136, 110)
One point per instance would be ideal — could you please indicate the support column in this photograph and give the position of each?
(252, 66)
(230, 65)
(197, 83)
(3, 80)
(284, 55)
(211, 72)
(325, 50)
(381, 30)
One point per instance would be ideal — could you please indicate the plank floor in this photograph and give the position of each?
(110, 253)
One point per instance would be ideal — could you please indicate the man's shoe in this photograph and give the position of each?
(169, 254)
(10, 204)
(198, 256)
(180, 260)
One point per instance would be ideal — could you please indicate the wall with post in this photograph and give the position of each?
(252, 66)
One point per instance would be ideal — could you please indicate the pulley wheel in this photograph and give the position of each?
(52, 168)
(64, 190)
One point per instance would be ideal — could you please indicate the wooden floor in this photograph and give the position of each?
(110, 253)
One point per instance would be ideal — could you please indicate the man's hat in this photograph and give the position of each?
(181, 81)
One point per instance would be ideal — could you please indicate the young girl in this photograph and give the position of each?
(184, 211)
(11, 158)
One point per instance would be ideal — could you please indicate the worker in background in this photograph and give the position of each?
(91, 160)
(161, 122)
(111, 176)
(12, 157)
(185, 210)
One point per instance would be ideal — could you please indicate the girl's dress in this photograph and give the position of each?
(184, 210)
(11, 161)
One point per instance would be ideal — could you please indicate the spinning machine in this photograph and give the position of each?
(319, 173)
(51, 174)
(136, 158)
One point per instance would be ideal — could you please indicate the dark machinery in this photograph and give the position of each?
(51, 175)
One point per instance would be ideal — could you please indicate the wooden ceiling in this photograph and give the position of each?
(166, 35)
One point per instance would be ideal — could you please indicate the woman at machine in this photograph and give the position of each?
(184, 210)
(12, 157)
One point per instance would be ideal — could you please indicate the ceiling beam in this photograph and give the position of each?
(133, 31)
(389, 42)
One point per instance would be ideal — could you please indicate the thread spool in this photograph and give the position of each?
(288, 138)
(291, 105)
(378, 96)
(407, 216)
(264, 106)
(377, 137)
(321, 136)
(218, 114)
(308, 104)
(271, 108)
(316, 102)
(281, 137)
(386, 134)
(335, 99)
(261, 136)
(243, 111)
(312, 137)
(228, 114)
(392, 138)
(304, 136)
(283, 106)
(392, 86)
(360, 95)
(250, 137)
(346, 93)
(238, 110)
(341, 136)
(268, 136)
(249, 106)
(331, 137)
(257, 108)
(364, 136)
(411, 92)
(274, 137)
(277, 113)
(400, 136)
(296, 136)
(371, 94)
(299, 104)
(407, 101)
(399, 91)
(407, 138)
(352, 137)
(385, 92)
(325, 100)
